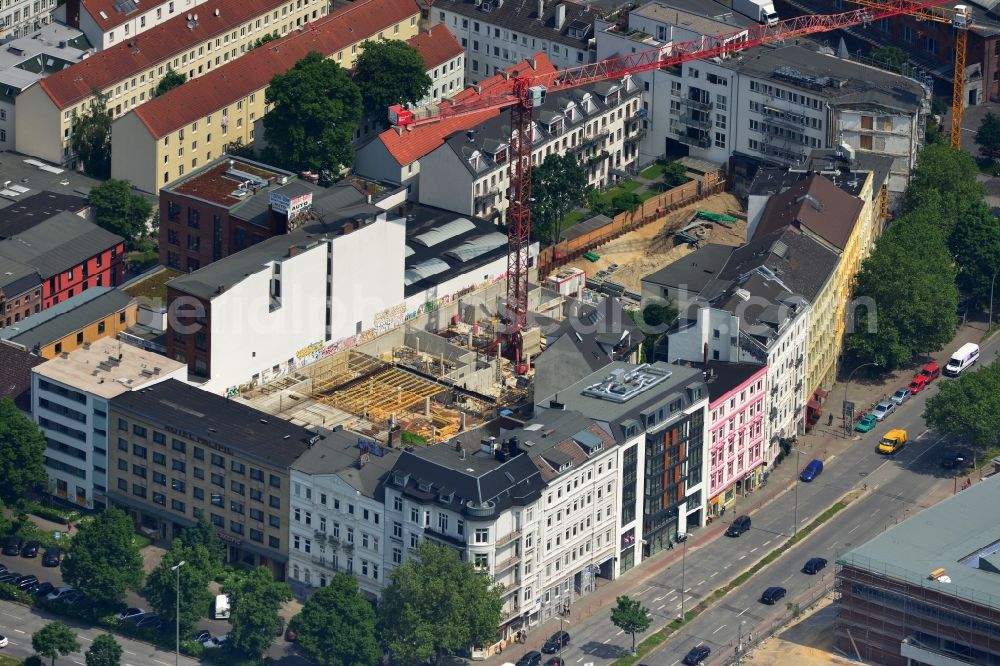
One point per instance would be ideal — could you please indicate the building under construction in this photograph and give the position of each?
(926, 591)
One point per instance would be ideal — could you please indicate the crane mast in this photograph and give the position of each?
(524, 92)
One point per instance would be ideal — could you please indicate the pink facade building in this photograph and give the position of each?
(737, 404)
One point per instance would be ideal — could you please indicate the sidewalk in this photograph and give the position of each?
(824, 442)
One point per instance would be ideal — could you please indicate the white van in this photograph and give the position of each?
(221, 607)
(966, 355)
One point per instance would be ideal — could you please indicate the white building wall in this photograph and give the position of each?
(452, 186)
(712, 327)
(23, 17)
(447, 79)
(374, 161)
(7, 127)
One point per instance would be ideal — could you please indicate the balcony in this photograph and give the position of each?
(697, 141)
(487, 198)
(791, 120)
(588, 141)
(320, 535)
(783, 154)
(636, 137)
(691, 121)
(507, 538)
(697, 104)
(509, 563)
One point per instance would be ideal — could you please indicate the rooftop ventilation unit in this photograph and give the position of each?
(622, 385)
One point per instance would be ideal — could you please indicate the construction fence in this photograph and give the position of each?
(651, 210)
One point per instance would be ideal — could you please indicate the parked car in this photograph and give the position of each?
(901, 395)
(739, 525)
(291, 635)
(51, 557)
(59, 593)
(10, 577)
(883, 409)
(24, 583)
(43, 589)
(201, 636)
(3, 569)
(12, 545)
(31, 549)
(957, 459)
(697, 654)
(866, 423)
(4, 642)
(151, 622)
(772, 595)
(814, 565)
(73, 599)
(130, 613)
(216, 642)
(965, 357)
(560, 639)
(812, 470)
(555, 661)
(533, 658)
(918, 384)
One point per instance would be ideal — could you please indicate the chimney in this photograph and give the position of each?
(541, 9)
(560, 15)
(705, 354)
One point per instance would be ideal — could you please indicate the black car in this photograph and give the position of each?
(52, 557)
(533, 658)
(43, 589)
(957, 459)
(772, 595)
(560, 639)
(814, 565)
(697, 654)
(3, 569)
(151, 622)
(26, 582)
(31, 549)
(739, 525)
(12, 545)
(10, 577)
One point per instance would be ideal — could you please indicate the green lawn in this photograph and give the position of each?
(153, 287)
(140, 540)
(572, 218)
(9, 661)
(652, 172)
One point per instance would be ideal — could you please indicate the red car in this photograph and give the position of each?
(918, 384)
(931, 371)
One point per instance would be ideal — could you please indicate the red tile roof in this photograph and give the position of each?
(411, 145)
(436, 46)
(105, 68)
(114, 18)
(223, 86)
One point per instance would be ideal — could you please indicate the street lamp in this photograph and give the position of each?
(177, 611)
(847, 432)
(798, 466)
(739, 641)
(684, 548)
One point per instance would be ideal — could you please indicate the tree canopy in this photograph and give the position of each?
(558, 185)
(120, 210)
(54, 640)
(436, 604)
(104, 651)
(337, 626)
(945, 178)
(170, 80)
(194, 576)
(205, 534)
(255, 599)
(975, 245)
(91, 138)
(22, 452)
(316, 109)
(630, 616)
(103, 560)
(674, 174)
(968, 408)
(390, 72)
(988, 136)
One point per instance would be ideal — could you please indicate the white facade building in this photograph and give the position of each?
(69, 402)
(444, 59)
(23, 17)
(498, 33)
(108, 22)
(599, 124)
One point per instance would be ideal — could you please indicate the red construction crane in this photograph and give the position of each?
(522, 93)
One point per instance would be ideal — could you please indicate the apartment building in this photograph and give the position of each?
(15, 375)
(444, 59)
(181, 453)
(23, 17)
(97, 313)
(189, 126)
(337, 521)
(497, 34)
(737, 404)
(128, 73)
(599, 124)
(69, 402)
(106, 22)
(394, 156)
(656, 415)
(25, 60)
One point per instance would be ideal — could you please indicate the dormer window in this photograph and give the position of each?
(423, 486)
(400, 479)
(500, 156)
(556, 126)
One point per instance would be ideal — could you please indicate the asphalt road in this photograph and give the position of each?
(896, 484)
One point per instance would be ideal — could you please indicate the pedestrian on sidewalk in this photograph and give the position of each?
(670, 544)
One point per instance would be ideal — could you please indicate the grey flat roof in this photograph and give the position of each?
(522, 17)
(695, 270)
(704, 18)
(953, 535)
(67, 317)
(215, 419)
(338, 453)
(25, 172)
(726, 376)
(58, 243)
(24, 213)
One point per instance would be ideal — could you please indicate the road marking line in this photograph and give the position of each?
(607, 641)
(741, 557)
(131, 653)
(853, 528)
(768, 541)
(161, 662)
(676, 662)
(658, 598)
(646, 590)
(688, 590)
(579, 660)
(721, 627)
(620, 632)
(714, 575)
(19, 631)
(84, 638)
(660, 607)
(788, 579)
(753, 550)
(701, 583)
(745, 610)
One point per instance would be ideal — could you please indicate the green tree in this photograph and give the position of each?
(255, 599)
(337, 626)
(104, 651)
(194, 576)
(91, 138)
(988, 136)
(203, 533)
(558, 185)
(269, 37)
(121, 211)
(630, 616)
(891, 57)
(54, 640)
(968, 408)
(975, 245)
(390, 72)
(170, 80)
(625, 201)
(674, 174)
(436, 604)
(103, 560)
(316, 109)
(22, 452)
(947, 178)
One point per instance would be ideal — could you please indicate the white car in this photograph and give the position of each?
(883, 409)
(3, 641)
(216, 642)
(59, 593)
